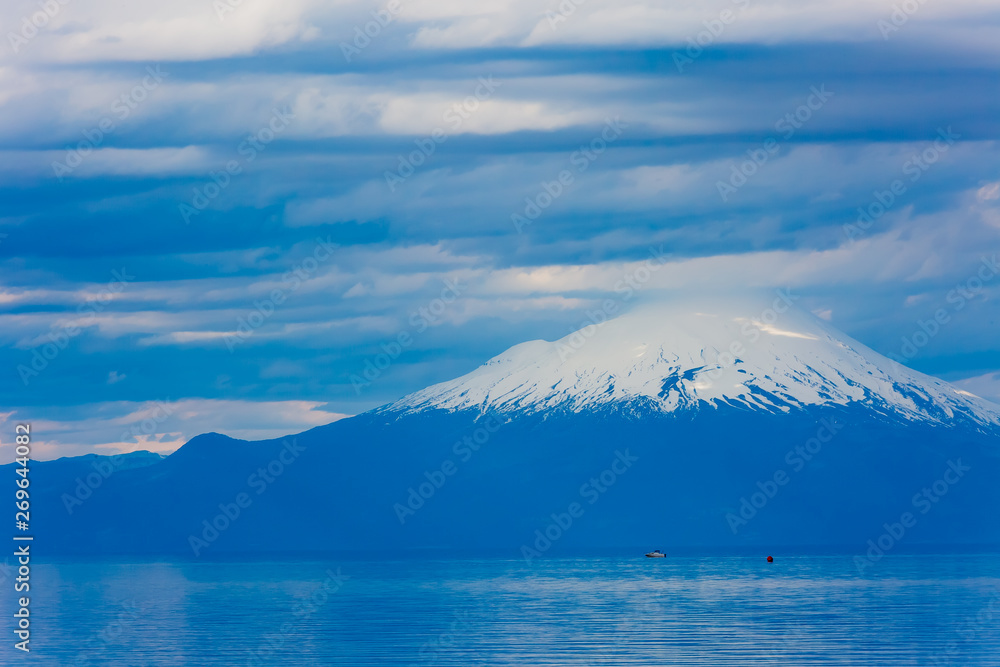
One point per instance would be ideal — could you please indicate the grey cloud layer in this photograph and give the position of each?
(745, 164)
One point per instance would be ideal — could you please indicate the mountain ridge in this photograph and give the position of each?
(486, 460)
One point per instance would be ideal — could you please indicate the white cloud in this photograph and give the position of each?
(989, 192)
(984, 386)
(140, 162)
(164, 426)
(424, 114)
(526, 23)
(146, 30)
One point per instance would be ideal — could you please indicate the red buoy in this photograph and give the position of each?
(770, 560)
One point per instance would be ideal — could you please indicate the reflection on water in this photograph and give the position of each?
(800, 610)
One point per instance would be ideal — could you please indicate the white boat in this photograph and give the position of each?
(656, 554)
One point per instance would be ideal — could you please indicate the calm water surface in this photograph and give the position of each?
(800, 610)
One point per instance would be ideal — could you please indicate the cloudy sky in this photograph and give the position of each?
(214, 215)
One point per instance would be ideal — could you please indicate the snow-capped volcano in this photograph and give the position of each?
(760, 354)
(765, 385)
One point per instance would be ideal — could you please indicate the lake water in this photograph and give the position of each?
(799, 610)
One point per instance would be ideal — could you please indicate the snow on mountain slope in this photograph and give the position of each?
(747, 353)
